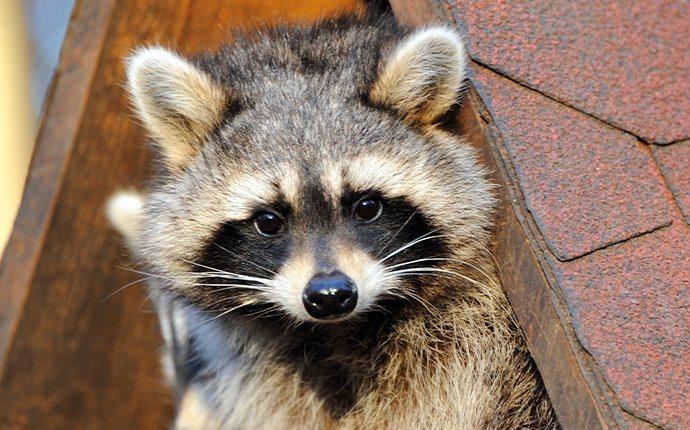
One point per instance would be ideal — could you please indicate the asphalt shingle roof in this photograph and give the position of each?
(592, 103)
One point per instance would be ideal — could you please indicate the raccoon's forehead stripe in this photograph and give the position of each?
(331, 178)
(248, 191)
(388, 175)
(393, 178)
(289, 183)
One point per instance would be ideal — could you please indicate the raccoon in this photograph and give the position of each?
(316, 245)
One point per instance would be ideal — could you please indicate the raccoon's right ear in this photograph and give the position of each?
(177, 102)
(423, 75)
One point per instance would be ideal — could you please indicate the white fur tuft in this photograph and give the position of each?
(124, 211)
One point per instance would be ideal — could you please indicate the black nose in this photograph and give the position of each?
(330, 295)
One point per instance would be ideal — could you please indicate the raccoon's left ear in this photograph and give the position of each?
(177, 102)
(423, 75)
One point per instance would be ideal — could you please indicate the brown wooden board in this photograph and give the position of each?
(69, 357)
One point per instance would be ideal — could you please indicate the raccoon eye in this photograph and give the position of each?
(368, 209)
(268, 223)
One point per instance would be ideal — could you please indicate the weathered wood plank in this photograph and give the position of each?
(64, 109)
(76, 361)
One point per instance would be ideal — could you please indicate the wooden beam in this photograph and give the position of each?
(64, 108)
(75, 360)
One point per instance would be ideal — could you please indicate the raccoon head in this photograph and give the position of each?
(304, 176)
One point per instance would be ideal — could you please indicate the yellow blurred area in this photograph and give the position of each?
(16, 115)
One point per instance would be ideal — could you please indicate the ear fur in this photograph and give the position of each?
(423, 75)
(177, 102)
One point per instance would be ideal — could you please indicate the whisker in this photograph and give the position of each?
(150, 275)
(202, 265)
(225, 299)
(129, 284)
(433, 270)
(224, 272)
(455, 260)
(178, 281)
(231, 276)
(421, 260)
(407, 295)
(428, 306)
(420, 239)
(411, 274)
(227, 311)
(245, 260)
(412, 241)
(241, 287)
(272, 311)
(396, 233)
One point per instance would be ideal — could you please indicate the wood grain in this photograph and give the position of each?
(417, 13)
(76, 361)
(69, 359)
(64, 108)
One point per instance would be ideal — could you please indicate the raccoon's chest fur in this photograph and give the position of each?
(465, 367)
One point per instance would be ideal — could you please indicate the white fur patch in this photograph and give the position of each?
(290, 283)
(367, 274)
(332, 178)
(396, 180)
(290, 183)
(194, 410)
(247, 192)
(124, 211)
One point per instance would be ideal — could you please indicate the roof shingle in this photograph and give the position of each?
(631, 311)
(570, 89)
(674, 161)
(624, 62)
(586, 184)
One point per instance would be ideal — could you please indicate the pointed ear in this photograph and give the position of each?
(423, 75)
(177, 102)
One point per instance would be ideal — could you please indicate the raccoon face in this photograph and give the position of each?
(323, 254)
(316, 196)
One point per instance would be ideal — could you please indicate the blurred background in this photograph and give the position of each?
(31, 33)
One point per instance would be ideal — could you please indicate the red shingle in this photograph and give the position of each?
(586, 184)
(674, 161)
(630, 307)
(624, 62)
